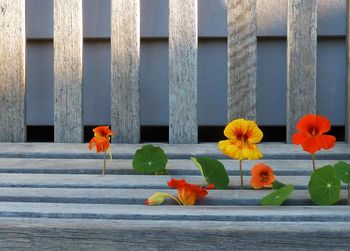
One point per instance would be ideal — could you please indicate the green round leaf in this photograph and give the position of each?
(277, 197)
(342, 171)
(324, 186)
(213, 171)
(149, 159)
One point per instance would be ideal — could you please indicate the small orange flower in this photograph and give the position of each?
(188, 193)
(262, 176)
(310, 135)
(101, 139)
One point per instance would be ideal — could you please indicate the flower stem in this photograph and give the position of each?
(313, 156)
(174, 198)
(348, 193)
(104, 164)
(241, 172)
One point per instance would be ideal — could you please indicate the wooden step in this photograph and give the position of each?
(174, 151)
(54, 196)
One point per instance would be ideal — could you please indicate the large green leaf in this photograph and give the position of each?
(149, 159)
(324, 186)
(277, 197)
(342, 171)
(213, 171)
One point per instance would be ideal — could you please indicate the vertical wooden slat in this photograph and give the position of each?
(125, 65)
(68, 71)
(12, 71)
(242, 59)
(347, 108)
(301, 61)
(183, 47)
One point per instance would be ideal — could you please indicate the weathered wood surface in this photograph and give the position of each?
(113, 181)
(68, 71)
(59, 203)
(56, 234)
(125, 65)
(242, 59)
(122, 166)
(12, 71)
(301, 61)
(347, 95)
(126, 151)
(183, 48)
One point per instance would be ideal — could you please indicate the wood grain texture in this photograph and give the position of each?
(301, 61)
(282, 151)
(242, 59)
(347, 108)
(125, 65)
(68, 71)
(128, 181)
(12, 71)
(183, 48)
(72, 234)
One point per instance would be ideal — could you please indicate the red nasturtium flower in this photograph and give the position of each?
(310, 135)
(262, 176)
(188, 193)
(101, 141)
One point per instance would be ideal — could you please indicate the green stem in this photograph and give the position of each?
(348, 193)
(104, 164)
(241, 172)
(313, 156)
(174, 198)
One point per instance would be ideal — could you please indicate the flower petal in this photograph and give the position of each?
(311, 145)
(299, 138)
(327, 141)
(255, 135)
(322, 124)
(306, 122)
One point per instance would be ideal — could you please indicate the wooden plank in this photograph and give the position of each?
(242, 59)
(183, 48)
(176, 213)
(125, 64)
(347, 108)
(301, 61)
(124, 166)
(126, 151)
(12, 71)
(127, 181)
(137, 196)
(77, 234)
(68, 71)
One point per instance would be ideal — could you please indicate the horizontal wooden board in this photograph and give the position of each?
(176, 213)
(121, 181)
(137, 196)
(126, 151)
(72, 234)
(124, 166)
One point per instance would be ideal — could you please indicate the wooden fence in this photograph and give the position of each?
(125, 64)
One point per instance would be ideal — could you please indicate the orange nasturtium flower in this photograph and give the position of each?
(262, 176)
(310, 135)
(243, 135)
(187, 194)
(101, 141)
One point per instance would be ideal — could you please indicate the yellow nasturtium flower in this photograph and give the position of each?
(242, 136)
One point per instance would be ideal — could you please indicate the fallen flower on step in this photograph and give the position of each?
(101, 141)
(187, 194)
(262, 176)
